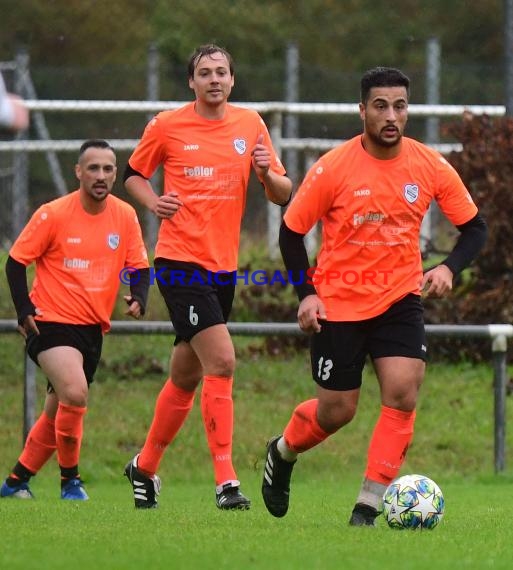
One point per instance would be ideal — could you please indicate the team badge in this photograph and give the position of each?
(240, 145)
(411, 192)
(113, 241)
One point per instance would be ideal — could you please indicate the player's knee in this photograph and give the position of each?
(221, 364)
(187, 382)
(74, 396)
(334, 416)
(405, 402)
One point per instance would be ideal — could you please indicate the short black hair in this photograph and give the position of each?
(382, 77)
(207, 49)
(93, 143)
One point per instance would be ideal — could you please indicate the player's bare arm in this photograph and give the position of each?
(437, 282)
(277, 187)
(141, 190)
(163, 207)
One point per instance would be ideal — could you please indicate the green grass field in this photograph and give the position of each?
(188, 532)
(453, 444)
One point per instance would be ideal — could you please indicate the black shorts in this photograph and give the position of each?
(88, 339)
(196, 299)
(339, 351)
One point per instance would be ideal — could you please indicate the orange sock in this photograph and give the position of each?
(217, 411)
(40, 444)
(303, 430)
(389, 443)
(171, 409)
(69, 427)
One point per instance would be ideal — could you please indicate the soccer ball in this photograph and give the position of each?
(413, 502)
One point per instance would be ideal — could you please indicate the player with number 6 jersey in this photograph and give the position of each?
(207, 150)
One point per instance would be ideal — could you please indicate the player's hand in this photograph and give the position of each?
(261, 157)
(29, 325)
(167, 205)
(311, 309)
(437, 282)
(20, 113)
(134, 309)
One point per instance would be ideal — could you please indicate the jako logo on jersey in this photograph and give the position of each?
(76, 263)
(362, 192)
(198, 171)
(191, 146)
(240, 145)
(411, 192)
(113, 241)
(74, 240)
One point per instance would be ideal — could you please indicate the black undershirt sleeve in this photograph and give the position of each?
(17, 278)
(295, 257)
(139, 285)
(471, 240)
(129, 171)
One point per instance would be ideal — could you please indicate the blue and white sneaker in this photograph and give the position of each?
(21, 491)
(74, 491)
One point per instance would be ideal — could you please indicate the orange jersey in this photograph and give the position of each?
(208, 163)
(79, 257)
(371, 212)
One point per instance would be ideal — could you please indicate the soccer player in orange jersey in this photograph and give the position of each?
(364, 296)
(83, 245)
(207, 149)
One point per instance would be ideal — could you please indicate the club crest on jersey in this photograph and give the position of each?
(411, 192)
(240, 145)
(113, 241)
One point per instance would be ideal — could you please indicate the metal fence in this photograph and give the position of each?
(274, 113)
(497, 333)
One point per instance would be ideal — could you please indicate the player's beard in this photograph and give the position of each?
(378, 140)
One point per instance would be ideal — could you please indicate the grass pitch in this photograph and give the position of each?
(453, 444)
(187, 531)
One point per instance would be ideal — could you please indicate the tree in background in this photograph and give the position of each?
(77, 32)
(336, 37)
(341, 37)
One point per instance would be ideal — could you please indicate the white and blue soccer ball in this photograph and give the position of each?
(413, 502)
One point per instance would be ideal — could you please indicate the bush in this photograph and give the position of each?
(484, 294)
